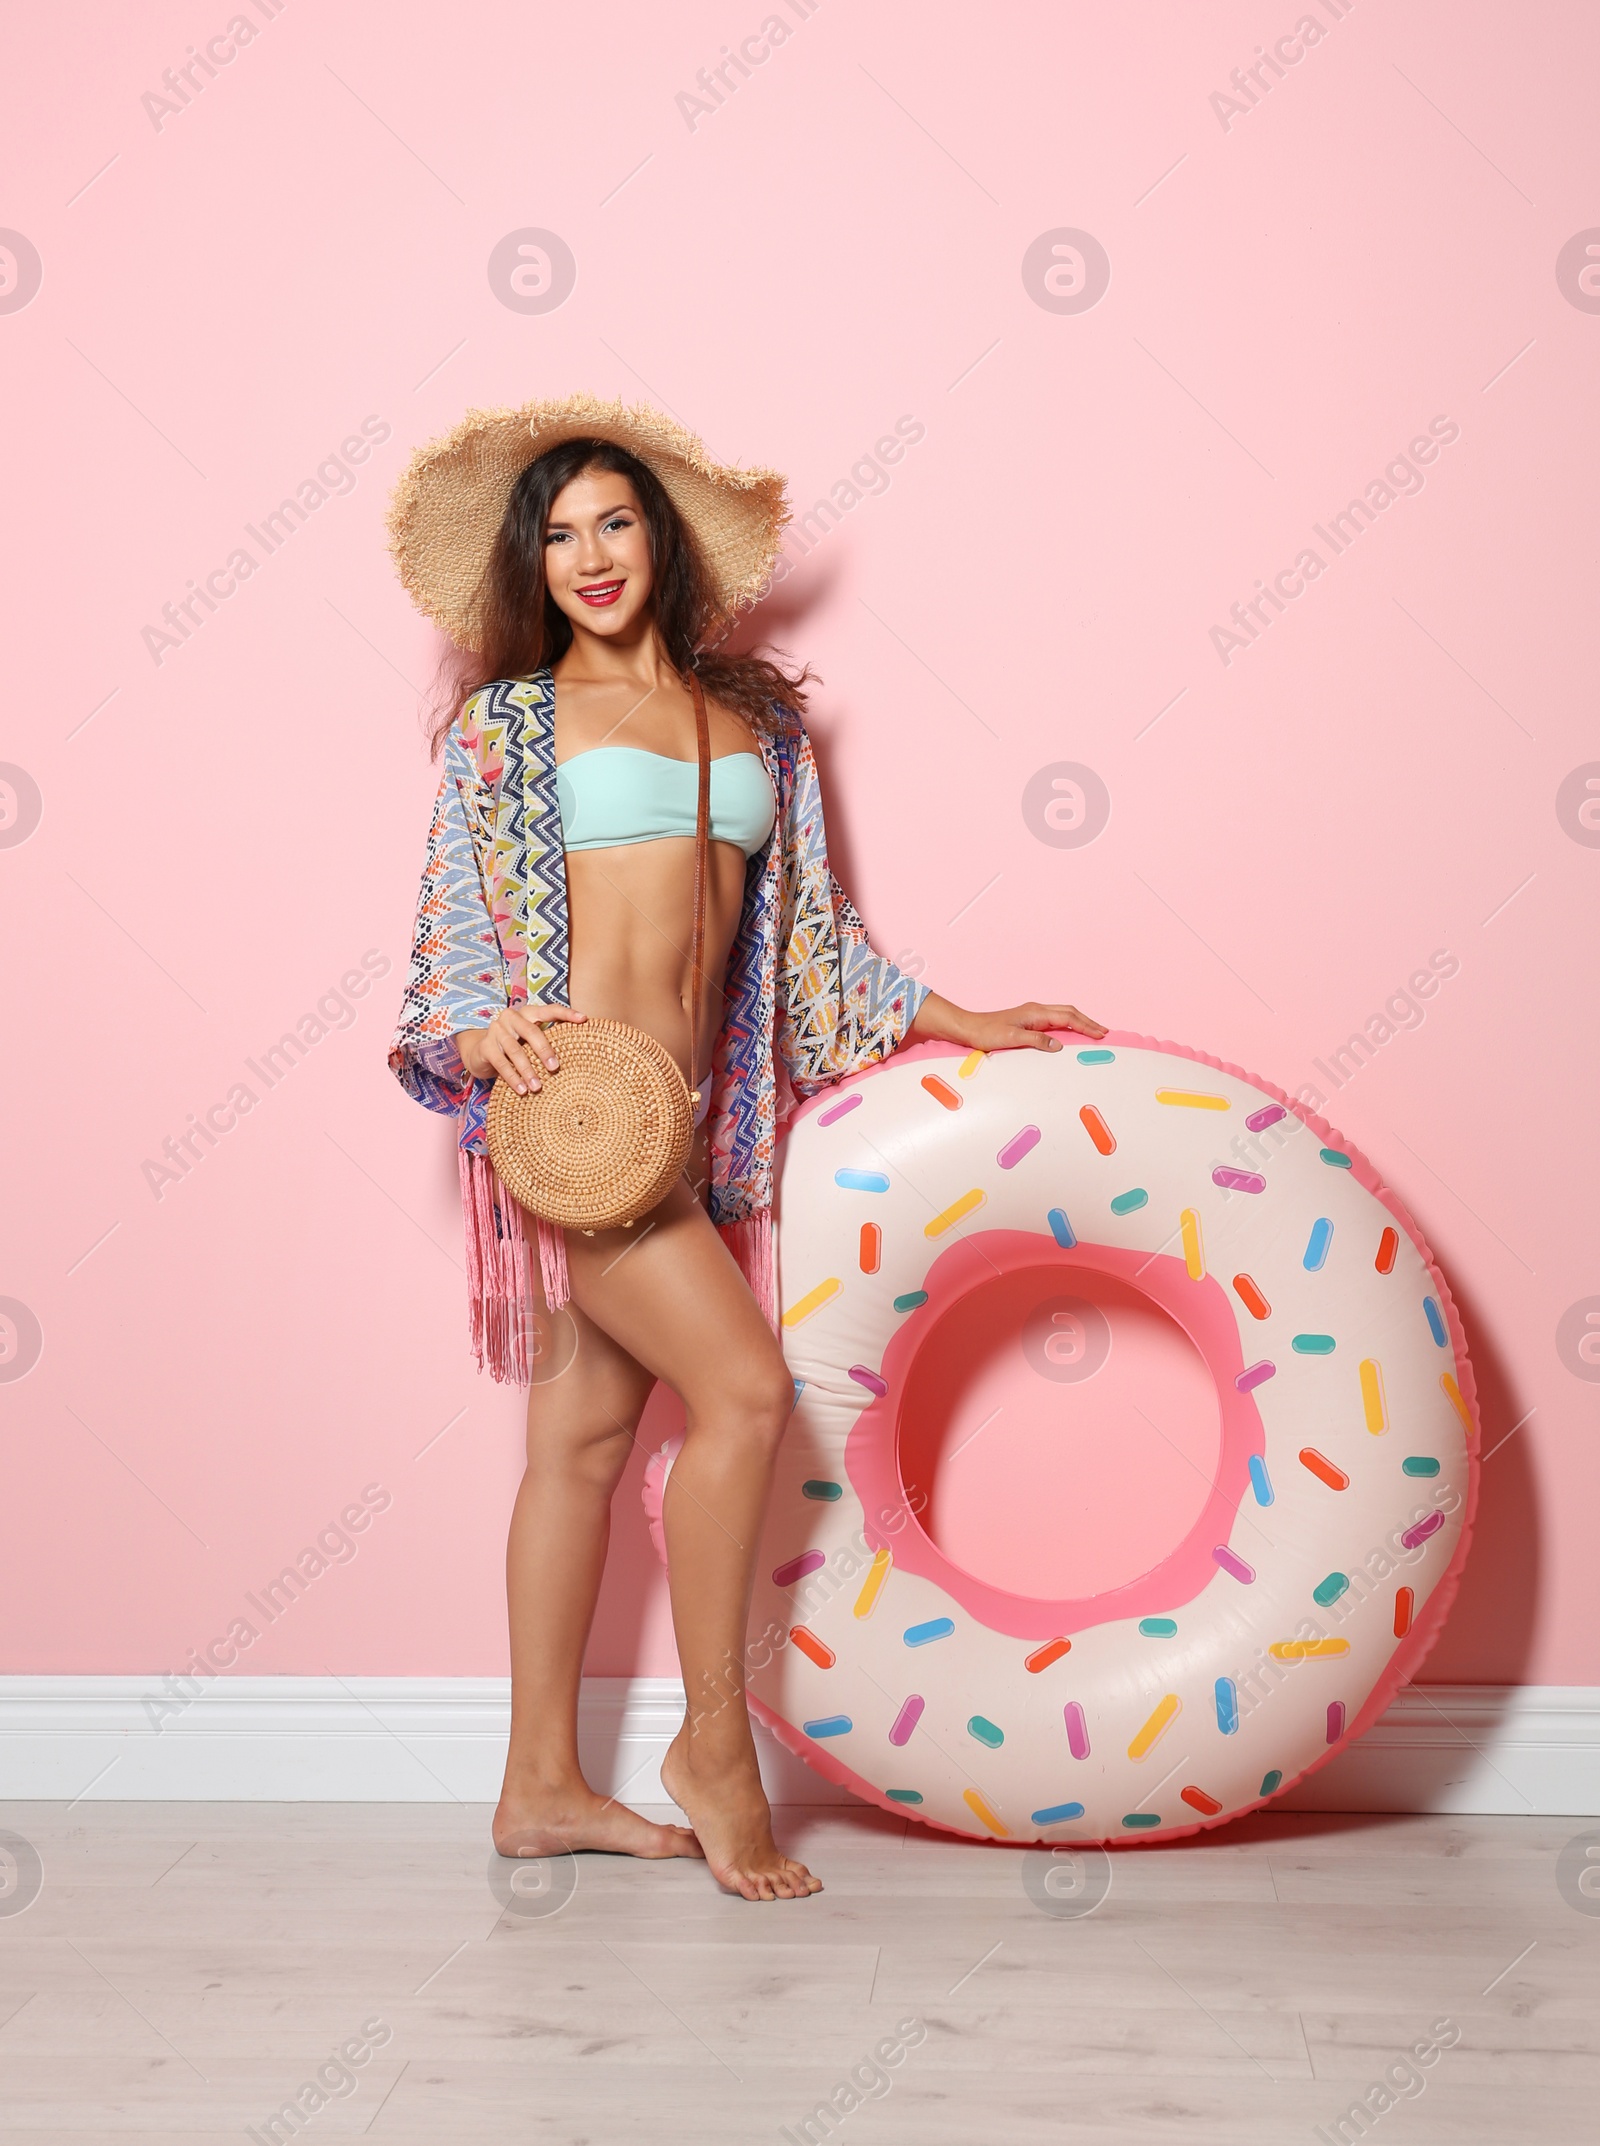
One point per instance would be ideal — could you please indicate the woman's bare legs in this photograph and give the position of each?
(671, 1298)
(584, 1407)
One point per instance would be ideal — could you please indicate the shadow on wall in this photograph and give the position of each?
(1489, 1634)
(778, 625)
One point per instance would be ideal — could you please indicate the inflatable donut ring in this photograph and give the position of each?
(1330, 1544)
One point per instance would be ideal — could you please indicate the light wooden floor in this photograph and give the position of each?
(186, 1967)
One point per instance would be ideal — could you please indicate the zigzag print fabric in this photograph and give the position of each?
(492, 931)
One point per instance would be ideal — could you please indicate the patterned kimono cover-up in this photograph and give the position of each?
(491, 931)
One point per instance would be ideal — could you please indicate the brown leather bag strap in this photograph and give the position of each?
(702, 835)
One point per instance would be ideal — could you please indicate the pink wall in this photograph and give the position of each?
(1393, 766)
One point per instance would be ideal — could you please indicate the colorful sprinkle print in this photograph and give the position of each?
(1077, 1729)
(1260, 1481)
(904, 1795)
(1194, 1257)
(941, 1091)
(1057, 1814)
(1097, 1129)
(1017, 1146)
(1096, 1058)
(1372, 1400)
(1061, 1229)
(1388, 1245)
(1234, 1564)
(906, 1720)
(923, 1635)
(1405, 1602)
(1308, 1650)
(1198, 1800)
(1415, 1536)
(1453, 1395)
(829, 1725)
(1139, 1820)
(862, 1180)
(1329, 1590)
(827, 1493)
(815, 1649)
(1042, 1657)
(1155, 1727)
(1158, 1627)
(1313, 1344)
(797, 1568)
(981, 1811)
(1336, 1158)
(1323, 1469)
(1315, 1257)
(1238, 1180)
(1127, 1203)
(870, 1379)
(1271, 1783)
(871, 1254)
(1190, 1099)
(1419, 1464)
(1256, 1375)
(970, 1064)
(813, 1300)
(954, 1213)
(1227, 1696)
(1259, 1120)
(835, 1111)
(911, 1299)
(1335, 1721)
(986, 1732)
(1436, 1325)
(1251, 1298)
(872, 1585)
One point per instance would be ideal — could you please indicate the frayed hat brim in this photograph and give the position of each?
(447, 508)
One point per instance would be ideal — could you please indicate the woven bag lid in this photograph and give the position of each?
(602, 1140)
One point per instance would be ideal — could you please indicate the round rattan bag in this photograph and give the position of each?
(602, 1140)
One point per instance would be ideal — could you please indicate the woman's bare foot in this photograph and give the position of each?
(565, 1822)
(732, 1821)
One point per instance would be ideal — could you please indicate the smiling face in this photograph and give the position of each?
(597, 555)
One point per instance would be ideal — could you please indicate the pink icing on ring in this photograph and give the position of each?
(1205, 1314)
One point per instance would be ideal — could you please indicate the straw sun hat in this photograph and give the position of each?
(448, 506)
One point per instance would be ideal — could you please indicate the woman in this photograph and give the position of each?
(591, 557)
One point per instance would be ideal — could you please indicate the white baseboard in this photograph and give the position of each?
(1440, 1747)
(330, 1739)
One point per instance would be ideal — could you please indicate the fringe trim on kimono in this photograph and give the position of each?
(500, 1299)
(750, 1242)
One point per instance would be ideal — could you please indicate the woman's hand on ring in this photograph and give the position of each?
(1027, 1025)
(511, 1044)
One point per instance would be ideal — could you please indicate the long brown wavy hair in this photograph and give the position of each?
(525, 630)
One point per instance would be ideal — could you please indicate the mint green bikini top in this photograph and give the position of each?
(613, 794)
